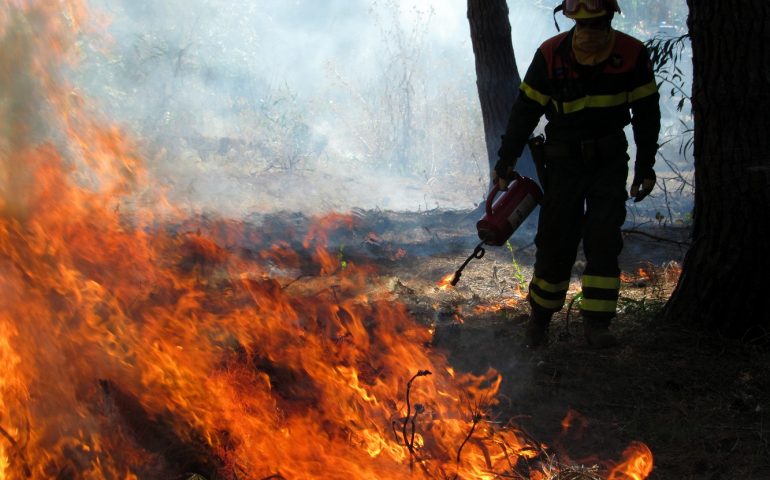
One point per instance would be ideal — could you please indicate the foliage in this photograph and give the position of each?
(518, 275)
(666, 54)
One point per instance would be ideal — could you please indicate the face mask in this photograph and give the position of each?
(592, 46)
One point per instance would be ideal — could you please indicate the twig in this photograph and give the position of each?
(655, 237)
(476, 417)
(668, 203)
(8, 437)
(418, 408)
(294, 281)
(475, 421)
(395, 432)
(18, 450)
(577, 297)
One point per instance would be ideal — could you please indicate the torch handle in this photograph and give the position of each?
(495, 190)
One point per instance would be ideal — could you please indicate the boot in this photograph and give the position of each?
(598, 334)
(536, 334)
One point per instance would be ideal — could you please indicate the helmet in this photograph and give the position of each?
(584, 9)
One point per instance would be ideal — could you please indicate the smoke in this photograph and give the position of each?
(25, 119)
(244, 106)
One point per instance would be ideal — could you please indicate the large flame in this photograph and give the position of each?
(136, 344)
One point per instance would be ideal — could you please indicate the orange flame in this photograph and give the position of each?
(132, 348)
(506, 303)
(637, 464)
(446, 281)
(625, 278)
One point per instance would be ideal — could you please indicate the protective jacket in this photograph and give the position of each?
(586, 163)
(583, 102)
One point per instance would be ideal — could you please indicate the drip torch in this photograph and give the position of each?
(504, 216)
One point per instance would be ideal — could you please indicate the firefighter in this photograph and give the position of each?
(590, 83)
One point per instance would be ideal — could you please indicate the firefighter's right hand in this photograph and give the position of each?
(502, 173)
(643, 183)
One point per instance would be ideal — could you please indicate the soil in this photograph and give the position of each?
(699, 402)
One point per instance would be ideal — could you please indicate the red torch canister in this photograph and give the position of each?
(505, 215)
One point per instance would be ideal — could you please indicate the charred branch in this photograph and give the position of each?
(655, 237)
(18, 450)
(407, 437)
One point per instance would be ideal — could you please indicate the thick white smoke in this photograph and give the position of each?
(247, 106)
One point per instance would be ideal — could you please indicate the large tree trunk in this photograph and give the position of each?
(724, 278)
(497, 77)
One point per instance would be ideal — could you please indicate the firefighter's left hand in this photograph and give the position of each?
(501, 183)
(642, 185)
(502, 174)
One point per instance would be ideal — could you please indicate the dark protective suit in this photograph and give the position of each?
(586, 163)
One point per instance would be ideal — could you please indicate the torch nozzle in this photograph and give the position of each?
(478, 252)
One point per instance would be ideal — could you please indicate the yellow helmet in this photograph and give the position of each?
(585, 9)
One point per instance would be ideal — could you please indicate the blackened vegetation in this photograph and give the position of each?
(155, 436)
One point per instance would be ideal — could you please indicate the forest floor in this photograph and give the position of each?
(700, 403)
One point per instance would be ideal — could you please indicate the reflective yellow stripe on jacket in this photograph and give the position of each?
(530, 92)
(603, 101)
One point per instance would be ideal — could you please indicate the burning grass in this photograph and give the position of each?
(137, 342)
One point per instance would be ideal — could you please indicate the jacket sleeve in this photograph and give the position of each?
(529, 106)
(645, 109)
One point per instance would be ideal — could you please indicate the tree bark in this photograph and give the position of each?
(497, 77)
(723, 281)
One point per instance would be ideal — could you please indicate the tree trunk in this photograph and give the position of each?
(724, 273)
(497, 77)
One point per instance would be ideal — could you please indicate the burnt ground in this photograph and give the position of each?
(700, 403)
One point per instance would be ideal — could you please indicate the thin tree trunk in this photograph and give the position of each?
(497, 77)
(724, 278)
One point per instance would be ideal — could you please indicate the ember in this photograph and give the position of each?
(508, 303)
(132, 348)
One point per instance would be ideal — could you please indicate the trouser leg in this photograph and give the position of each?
(602, 243)
(558, 235)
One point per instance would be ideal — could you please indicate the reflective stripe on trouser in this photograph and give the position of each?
(584, 200)
(547, 297)
(600, 297)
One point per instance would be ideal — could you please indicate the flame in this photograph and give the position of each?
(574, 423)
(136, 343)
(643, 274)
(668, 273)
(446, 281)
(637, 463)
(625, 278)
(506, 303)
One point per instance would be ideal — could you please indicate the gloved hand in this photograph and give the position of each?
(643, 182)
(503, 173)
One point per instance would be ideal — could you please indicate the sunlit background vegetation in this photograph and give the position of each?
(247, 106)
